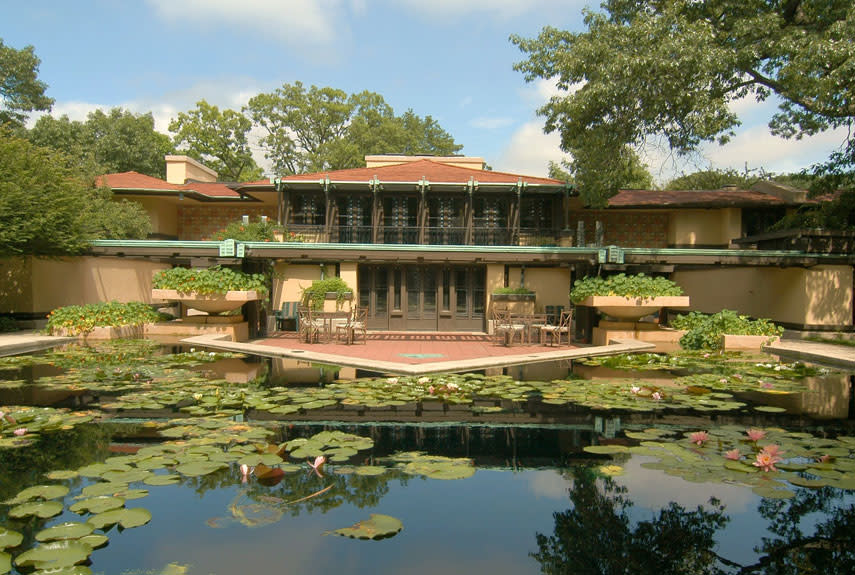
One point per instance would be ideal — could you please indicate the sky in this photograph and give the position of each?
(449, 59)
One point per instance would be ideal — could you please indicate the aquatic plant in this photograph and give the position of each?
(706, 331)
(213, 280)
(82, 319)
(624, 285)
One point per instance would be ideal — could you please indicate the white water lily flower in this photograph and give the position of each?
(392, 380)
(424, 380)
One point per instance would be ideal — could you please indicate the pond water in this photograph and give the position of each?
(150, 459)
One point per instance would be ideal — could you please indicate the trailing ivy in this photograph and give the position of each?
(261, 231)
(208, 281)
(706, 331)
(624, 285)
(77, 319)
(512, 291)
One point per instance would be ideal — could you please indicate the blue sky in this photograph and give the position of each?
(450, 59)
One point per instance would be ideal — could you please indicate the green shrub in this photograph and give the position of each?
(84, 318)
(705, 331)
(208, 281)
(251, 232)
(624, 285)
(315, 294)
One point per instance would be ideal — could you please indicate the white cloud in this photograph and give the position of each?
(549, 484)
(491, 123)
(529, 151)
(296, 22)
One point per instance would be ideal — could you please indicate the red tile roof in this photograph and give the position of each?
(141, 182)
(724, 198)
(431, 170)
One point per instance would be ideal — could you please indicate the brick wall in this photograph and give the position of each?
(626, 229)
(200, 223)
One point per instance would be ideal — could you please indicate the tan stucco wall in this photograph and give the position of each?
(16, 285)
(704, 227)
(552, 285)
(179, 169)
(290, 279)
(163, 214)
(55, 283)
(818, 296)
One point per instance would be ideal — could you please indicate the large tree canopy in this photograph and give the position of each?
(220, 139)
(21, 91)
(670, 68)
(314, 129)
(116, 141)
(48, 207)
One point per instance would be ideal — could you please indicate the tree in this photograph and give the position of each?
(117, 141)
(21, 91)
(714, 180)
(628, 173)
(670, 69)
(49, 208)
(315, 129)
(220, 139)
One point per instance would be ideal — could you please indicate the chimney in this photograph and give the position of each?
(180, 169)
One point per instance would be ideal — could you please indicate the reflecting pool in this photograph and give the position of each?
(131, 457)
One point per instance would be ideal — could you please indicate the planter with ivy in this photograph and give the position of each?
(513, 294)
(213, 290)
(105, 320)
(329, 289)
(628, 298)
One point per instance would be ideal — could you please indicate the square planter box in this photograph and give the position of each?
(747, 342)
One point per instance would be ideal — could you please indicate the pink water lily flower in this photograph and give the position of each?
(634, 390)
(656, 396)
(699, 437)
(733, 455)
(773, 450)
(318, 464)
(824, 458)
(245, 471)
(431, 390)
(755, 434)
(20, 431)
(766, 461)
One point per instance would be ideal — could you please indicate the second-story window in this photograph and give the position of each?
(536, 213)
(308, 210)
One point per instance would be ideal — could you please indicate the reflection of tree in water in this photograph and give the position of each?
(595, 535)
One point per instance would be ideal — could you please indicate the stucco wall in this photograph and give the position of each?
(163, 214)
(704, 227)
(41, 285)
(201, 223)
(820, 296)
(552, 285)
(290, 279)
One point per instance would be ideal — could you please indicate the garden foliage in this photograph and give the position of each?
(624, 285)
(81, 319)
(706, 331)
(212, 280)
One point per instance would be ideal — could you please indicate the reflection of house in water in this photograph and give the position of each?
(285, 371)
(827, 397)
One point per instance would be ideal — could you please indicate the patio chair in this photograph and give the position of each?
(310, 329)
(505, 328)
(355, 324)
(557, 331)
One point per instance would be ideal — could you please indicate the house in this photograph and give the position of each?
(425, 240)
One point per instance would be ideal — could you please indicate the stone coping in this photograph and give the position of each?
(613, 348)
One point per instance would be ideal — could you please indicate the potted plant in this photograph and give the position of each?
(725, 330)
(333, 288)
(628, 297)
(213, 290)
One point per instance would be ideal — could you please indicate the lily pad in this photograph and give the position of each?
(774, 493)
(38, 492)
(377, 527)
(606, 449)
(62, 474)
(5, 562)
(67, 530)
(98, 504)
(9, 538)
(43, 509)
(198, 468)
(127, 518)
(54, 554)
(169, 479)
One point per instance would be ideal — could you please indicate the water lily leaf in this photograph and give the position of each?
(38, 492)
(769, 409)
(377, 527)
(103, 488)
(127, 518)
(129, 494)
(54, 554)
(130, 476)
(94, 540)
(43, 509)
(167, 479)
(9, 538)
(62, 474)
(5, 562)
(197, 468)
(369, 470)
(606, 449)
(774, 493)
(70, 570)
(739, 466)
(804, 482)
(611, 470)
(67, 530)
(97, 504)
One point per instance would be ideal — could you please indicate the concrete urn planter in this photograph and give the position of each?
(212, 303)
(632, 308)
